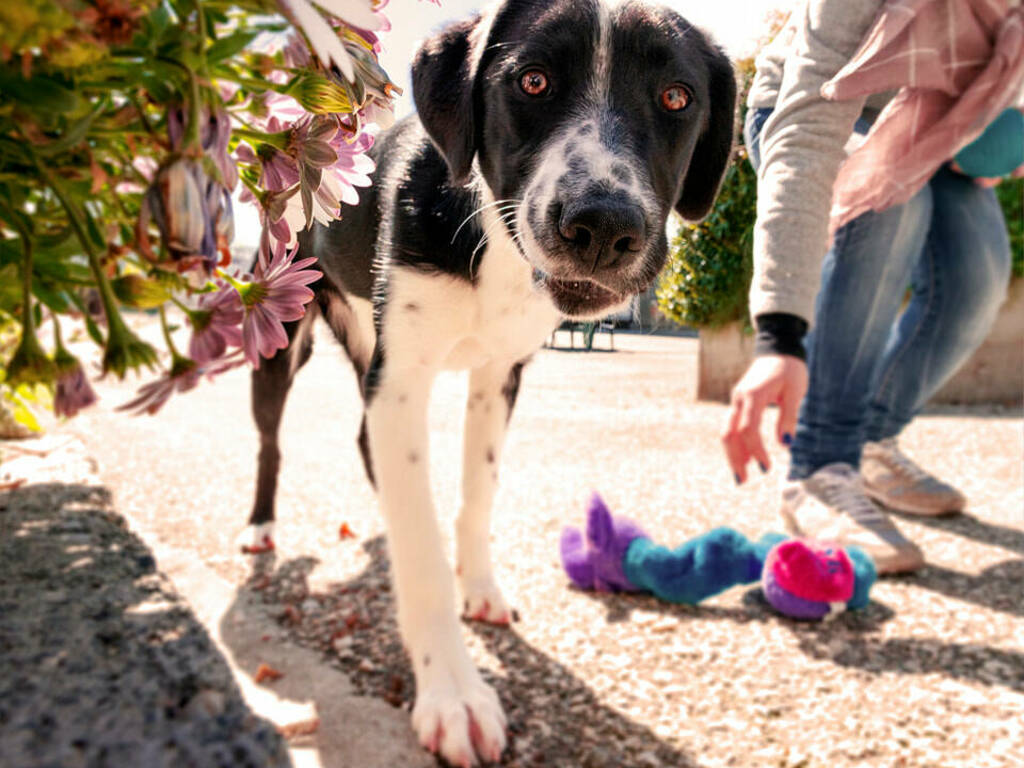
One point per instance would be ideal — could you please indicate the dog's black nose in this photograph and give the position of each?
(602, 232)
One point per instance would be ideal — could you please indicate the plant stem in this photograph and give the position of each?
(28, 320)
(167, 335)
(191, 138)
(201, 43)
(115, 323)
(58, 342)
(134, 99)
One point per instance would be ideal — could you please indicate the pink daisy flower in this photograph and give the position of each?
(216, 325)
(183, 376)
(278, 294)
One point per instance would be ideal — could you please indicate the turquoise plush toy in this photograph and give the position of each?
(998, 151)
(801, 579)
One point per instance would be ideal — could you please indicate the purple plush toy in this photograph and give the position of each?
(801, 579)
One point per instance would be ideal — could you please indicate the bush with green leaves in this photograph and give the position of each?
(707, 277)
(1011, 198)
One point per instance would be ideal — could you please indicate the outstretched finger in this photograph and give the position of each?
(733, 445)
(750, 430)
(789, 410)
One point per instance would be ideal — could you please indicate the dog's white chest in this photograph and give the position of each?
(507, 318)
(513, 318)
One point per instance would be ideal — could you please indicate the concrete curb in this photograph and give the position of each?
(101, 661)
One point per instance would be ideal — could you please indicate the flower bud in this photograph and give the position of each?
(320, 95)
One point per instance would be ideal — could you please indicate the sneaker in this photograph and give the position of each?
(831, 505)
(892, 479)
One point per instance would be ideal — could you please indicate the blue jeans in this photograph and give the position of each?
(871, 366)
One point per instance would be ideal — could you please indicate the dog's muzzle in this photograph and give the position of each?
(602, 234)
(592, 244)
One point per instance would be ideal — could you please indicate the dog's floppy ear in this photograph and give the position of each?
(442, 86)
(714, 147)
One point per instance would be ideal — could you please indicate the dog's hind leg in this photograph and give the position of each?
(492, 393)
(270, 385)
(351, 320)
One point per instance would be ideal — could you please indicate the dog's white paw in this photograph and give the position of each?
(457, 715)
(482, 599)
(256, 539)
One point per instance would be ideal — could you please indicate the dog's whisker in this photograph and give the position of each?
(480, 210)
(485, 238)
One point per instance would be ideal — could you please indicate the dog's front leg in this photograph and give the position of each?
(492, 393)
(456, 713)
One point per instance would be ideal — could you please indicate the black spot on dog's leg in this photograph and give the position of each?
(364, 451)
(510, 390)
(371, 381)
(413, 457)
(412, 306)
(490, 455)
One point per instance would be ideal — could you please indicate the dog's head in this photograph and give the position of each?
(591, 121)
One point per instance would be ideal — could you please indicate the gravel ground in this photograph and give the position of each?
(930, 675)
(101, 662)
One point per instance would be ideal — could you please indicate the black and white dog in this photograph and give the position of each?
(552, 141)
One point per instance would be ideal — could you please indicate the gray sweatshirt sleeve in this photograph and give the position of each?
(802, 146)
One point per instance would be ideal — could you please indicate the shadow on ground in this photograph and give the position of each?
(555, 719)
(101, 661)
(970, 527)
(851, 639)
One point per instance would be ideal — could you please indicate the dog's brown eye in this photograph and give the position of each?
(534, 82)
(674, 98)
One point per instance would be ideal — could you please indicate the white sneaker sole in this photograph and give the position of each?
(910, 509)
(904, 560)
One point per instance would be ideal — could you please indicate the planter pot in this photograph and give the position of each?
(723, 357)
(995, 372)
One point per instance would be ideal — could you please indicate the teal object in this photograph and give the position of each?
(719, 559)
(998, 151)
(865, 573)
(700, 568)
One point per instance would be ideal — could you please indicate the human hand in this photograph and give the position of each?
(770, 379)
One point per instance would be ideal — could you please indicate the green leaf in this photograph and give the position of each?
(226, 47)
(38, 93)
(52, 297)
(76, 133)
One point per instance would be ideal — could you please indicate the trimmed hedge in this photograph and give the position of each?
(1011, 197)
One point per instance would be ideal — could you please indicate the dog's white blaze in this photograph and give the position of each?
(602, 72)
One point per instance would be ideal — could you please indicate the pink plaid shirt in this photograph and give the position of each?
(957, 64)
